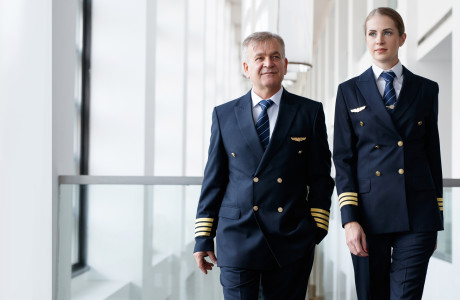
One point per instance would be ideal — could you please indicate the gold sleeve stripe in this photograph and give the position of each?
(354, 202)
(203, 224)
(439, 199)
(441, 208)
(321, 216)
(318, 220)
(202, 234)
(348, 198)
(203, 229)
(204, 220)
(349, 203)
(319, 210)
(348, 194)
(322, 226)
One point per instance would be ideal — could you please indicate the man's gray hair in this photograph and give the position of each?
(261, 36)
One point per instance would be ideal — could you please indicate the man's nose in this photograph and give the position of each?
(268, 62)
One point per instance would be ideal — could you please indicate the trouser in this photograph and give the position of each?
(396, 267)
(288, 282)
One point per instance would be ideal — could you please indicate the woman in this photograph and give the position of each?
(388, 166)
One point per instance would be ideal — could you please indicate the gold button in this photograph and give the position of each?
(378, 173)
(255, 208)
(420, 123)
(400, 143)
(280, 209)
(233, 154)
(255, 179)
(401, 171)
(377, 147)
(300, 152)
(279, 180)
(361, 123)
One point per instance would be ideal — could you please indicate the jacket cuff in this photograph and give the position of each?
(348, 202)
(441, 204)
(203, 245)
(321, 217)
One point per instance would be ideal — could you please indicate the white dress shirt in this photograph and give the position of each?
(397, 82)
(272, 111)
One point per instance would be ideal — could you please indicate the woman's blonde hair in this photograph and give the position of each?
(389, 12)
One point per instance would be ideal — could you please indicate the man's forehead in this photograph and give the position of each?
(263, 46)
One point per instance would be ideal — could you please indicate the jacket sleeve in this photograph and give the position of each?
(320, 183)
(215, 181)
(432, 146)
(345, 161)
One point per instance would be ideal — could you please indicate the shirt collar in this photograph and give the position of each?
(276, 98)
(397, 69)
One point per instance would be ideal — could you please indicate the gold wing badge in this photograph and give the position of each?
(357, 110)
(298, 139)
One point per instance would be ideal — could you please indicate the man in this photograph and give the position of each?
(267, 188)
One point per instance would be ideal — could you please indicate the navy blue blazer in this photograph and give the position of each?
(258, 204)
(388, 166)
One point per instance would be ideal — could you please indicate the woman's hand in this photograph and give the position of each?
(356, 239)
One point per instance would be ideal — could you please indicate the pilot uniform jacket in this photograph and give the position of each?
(388, 165)
(265, 206)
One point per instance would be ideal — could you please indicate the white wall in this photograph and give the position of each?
(25, 151)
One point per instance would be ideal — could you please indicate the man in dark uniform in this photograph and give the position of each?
(267, 187)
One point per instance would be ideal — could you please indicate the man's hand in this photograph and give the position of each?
(356, 239)
(202, 263)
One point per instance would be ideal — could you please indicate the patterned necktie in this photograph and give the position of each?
(389, 95)
(263, 125)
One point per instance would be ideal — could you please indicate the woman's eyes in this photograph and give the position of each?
(386, 33)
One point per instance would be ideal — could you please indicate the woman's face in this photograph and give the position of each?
(383, 41)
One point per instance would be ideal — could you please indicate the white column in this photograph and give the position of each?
(26, 150)
(64, 122)
(456, 90)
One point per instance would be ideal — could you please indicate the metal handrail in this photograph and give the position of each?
(164, 180)
(451, 182)
(130, 180)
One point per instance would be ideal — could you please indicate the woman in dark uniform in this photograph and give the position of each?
(388, 166)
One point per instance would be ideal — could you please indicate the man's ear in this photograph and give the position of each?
(246, 70)
(285, 65)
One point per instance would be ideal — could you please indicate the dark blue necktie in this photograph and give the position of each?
(263, 124)
(389, 95)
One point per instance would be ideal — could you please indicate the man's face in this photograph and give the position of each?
(265, 66)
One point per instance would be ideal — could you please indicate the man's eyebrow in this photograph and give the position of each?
(262, 53)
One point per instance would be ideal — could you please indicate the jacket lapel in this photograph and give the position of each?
(368, 88)
(243, 112)
(409, 91)
(286, 115)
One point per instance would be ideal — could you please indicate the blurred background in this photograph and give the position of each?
(105, 116)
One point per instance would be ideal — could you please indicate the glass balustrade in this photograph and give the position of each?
(140, 242)
(444, 249)
(140, 238)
